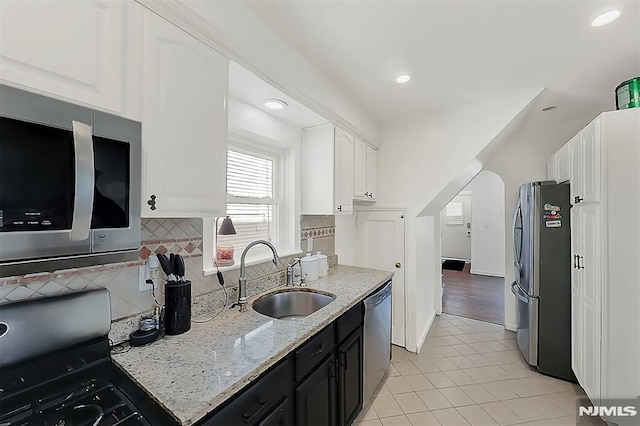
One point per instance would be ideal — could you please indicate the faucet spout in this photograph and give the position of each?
(242, 281)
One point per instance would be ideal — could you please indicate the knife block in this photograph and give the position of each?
(177, 300)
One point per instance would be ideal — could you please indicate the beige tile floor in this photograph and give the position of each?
(468, 373)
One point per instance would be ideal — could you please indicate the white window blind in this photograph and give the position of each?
(250, 200)
(249, 175)
(454, 213)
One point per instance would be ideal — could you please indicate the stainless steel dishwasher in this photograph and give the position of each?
(377, 338)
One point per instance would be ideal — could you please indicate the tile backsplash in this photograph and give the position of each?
(183, 236)
(322, 229)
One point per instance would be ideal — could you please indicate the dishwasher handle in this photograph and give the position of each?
(378, 297)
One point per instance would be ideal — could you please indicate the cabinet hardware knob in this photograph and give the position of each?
(152, 202)
(577, 199)
(339, 208)
(398, 264)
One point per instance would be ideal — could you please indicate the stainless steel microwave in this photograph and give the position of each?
(69, 185)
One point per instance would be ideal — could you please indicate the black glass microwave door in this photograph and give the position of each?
(111, 195)
(37, 177)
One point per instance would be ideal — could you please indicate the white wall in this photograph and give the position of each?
(418, 158)
(487, 224)
(243, 37)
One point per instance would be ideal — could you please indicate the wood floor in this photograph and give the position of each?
(473, 296)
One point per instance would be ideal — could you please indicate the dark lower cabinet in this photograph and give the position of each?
(350, 378)
(319, 384)
(282, 415)
(266, 401)
(316, 397)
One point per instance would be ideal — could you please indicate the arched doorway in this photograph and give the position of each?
(473, 250)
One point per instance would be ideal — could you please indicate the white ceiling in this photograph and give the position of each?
(248, 87)
(459, 51)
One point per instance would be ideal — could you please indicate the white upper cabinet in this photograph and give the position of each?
(584, 151)
(360, 170)
(552, 168)
(327, 170)
(563, 164)
(70, 49)
(365, 171)
(344, 174)
(184, 128)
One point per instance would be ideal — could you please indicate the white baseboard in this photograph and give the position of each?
(423, 336)
(511, 326)
(487, 273)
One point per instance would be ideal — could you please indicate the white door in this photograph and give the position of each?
(576, 297)
(184, 128)
(380, 237)
(456, 228)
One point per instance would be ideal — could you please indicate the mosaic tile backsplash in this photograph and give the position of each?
(183, 236)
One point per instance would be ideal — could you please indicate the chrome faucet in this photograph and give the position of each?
(242, 281)
(290, 274)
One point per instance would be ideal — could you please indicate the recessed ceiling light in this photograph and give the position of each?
(275, 104)
(403, 79)
(549, 108)
(605, 18)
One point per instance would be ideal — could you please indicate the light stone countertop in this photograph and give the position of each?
(193, 373)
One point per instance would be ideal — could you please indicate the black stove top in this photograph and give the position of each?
(78, 386)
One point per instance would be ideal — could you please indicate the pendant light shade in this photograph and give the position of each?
(226, 227)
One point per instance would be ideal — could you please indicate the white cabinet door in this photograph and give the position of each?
(590, 143)
(184, 127)
(344, 173)
(563, 164)
(372, 173)
(360, 170)
(575, 156)
(577, 348)
(589, 277)
(552, 168)
(68, 48)
(585, 164)
(366, 172)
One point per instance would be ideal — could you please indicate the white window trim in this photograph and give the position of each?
(286, 194)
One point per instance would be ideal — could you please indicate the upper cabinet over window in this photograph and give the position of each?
(76, 50)
(184, 126)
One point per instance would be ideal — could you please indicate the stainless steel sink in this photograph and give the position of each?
(291, 304)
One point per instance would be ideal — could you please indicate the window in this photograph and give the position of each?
(454, 213)
(252, 201)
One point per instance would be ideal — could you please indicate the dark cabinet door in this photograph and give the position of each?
(350, 378)
(282, 415)
(316, 397)
(267, 401)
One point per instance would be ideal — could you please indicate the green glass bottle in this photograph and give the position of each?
(628, 94)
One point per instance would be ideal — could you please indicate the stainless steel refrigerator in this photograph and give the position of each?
(542, 286)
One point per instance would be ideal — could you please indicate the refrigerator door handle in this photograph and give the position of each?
(518, 292)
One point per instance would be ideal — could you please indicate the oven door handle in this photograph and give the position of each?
(85, 181)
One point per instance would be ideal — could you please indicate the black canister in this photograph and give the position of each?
(177, 298)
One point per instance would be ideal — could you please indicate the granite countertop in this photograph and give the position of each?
(193, 373)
